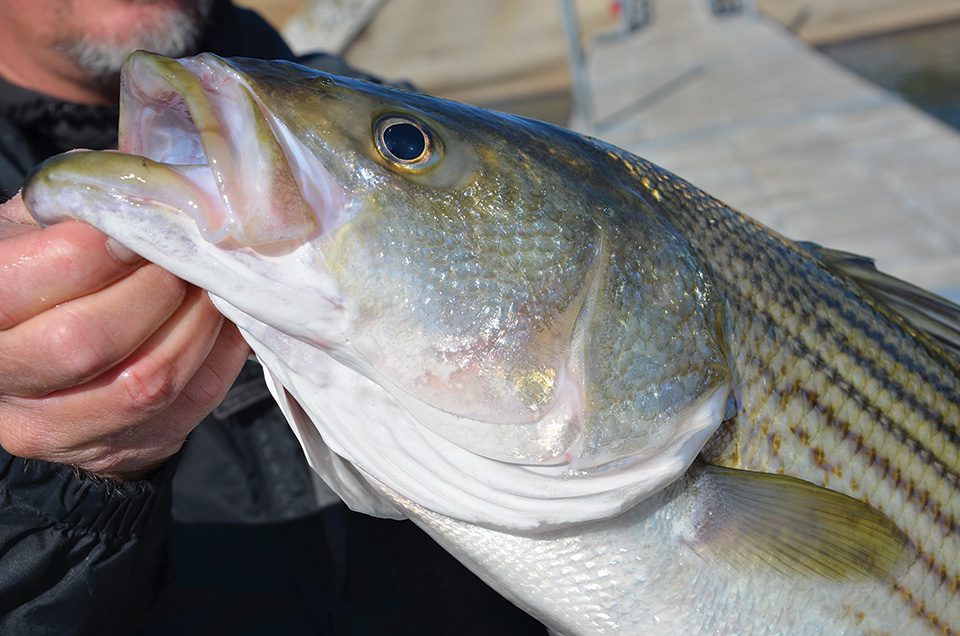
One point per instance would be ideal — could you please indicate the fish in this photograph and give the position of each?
(623, 404)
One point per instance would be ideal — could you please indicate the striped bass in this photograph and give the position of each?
(626, 406)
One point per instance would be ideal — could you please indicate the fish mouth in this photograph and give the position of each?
(214, 151)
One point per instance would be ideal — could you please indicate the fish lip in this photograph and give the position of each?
(200, 116)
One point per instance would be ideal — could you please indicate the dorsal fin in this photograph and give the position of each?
(932, 315)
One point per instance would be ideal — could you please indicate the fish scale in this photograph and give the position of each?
(823, 435)
(625, 406)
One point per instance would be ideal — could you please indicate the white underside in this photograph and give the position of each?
(352, 429)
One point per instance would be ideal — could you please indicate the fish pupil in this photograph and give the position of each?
(405, 141)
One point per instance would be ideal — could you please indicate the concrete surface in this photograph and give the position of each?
(752, 115)
(478, 52)
(501, 52)
(317, 25)
(828, 21)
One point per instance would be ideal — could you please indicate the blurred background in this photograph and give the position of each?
(828, 120)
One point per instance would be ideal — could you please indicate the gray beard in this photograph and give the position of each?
(175, 35)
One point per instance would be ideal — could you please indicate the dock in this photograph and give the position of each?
(744, 109)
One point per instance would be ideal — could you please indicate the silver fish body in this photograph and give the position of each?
(627, 407)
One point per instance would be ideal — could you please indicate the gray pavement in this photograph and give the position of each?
(749, 113)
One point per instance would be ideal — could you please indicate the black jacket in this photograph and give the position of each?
(233, 535)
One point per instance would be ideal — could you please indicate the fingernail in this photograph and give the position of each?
(121, 252)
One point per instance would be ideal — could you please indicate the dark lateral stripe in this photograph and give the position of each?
(868, 366)
(919, 609)
(939, 570)
(887, 469)
(766, 253)
(930, 564)
(927, 372)
(889, 382)
(918, 496)
(900, 434)
(948, 524)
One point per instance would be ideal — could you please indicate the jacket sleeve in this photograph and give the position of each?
(16, 159)
(79, 554)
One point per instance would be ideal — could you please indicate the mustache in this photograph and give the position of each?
(176, 33)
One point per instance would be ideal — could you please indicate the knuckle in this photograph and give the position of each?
(7, 319)
(167, 282)
(206, 389)
(150, 389)
(76, 346)
(20, 437)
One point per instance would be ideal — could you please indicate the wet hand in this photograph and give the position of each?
(107, 362)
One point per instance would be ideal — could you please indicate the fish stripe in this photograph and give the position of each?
(883, 466)
(919, 609)
(944, 471)
(872, 334)
(812, 351)
(833, 334)
(924, 502)
(890, 383)
(904, 437)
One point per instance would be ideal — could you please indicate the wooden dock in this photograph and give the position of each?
(748, 112)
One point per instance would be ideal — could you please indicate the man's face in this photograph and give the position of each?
(99, 34)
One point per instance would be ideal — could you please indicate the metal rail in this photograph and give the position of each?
(575, 57)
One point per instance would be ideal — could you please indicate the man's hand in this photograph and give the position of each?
(107, 362)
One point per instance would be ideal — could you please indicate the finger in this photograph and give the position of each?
(9, 229)
(14, 218)
(78, 340)
(49, 266)
(209, 385)
(155, 441)
(15, 211)
(102, 422)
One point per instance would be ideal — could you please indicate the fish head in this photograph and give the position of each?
(503, 283)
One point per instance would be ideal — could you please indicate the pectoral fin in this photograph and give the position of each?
(759, 520)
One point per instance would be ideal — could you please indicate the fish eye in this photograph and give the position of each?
(404, 141)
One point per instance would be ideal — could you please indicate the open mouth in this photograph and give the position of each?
(245, 179)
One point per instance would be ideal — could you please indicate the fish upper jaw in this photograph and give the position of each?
(220, 194)
(246, 180)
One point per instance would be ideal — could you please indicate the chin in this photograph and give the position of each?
(168, 27)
